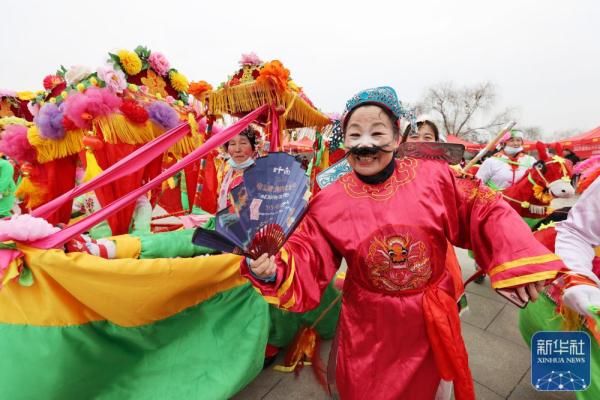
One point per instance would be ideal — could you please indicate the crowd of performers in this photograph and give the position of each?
(394, 220)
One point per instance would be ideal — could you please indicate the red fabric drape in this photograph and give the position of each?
(207, 198)
(61, 179)
(111, 153)
(443, 331)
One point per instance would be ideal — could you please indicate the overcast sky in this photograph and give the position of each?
(543, 56)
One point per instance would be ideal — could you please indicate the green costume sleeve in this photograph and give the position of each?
(7, 184)
(142, 217)
(7, 188)
(285, 324)
(171, 244)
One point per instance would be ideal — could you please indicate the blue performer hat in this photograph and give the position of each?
(383, 96)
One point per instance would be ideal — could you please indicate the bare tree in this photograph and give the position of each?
(461, 108)
(532, 133)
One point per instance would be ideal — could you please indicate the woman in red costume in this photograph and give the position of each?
(391, 219)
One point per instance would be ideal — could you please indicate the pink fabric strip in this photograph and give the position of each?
(123, 167)
(59, 238)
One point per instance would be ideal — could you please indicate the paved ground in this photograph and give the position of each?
(498, 357)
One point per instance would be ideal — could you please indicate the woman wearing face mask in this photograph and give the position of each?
(241, 150)
(391, 219)
(507, 166)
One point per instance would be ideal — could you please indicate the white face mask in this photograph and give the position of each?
(511, 151)
(243, 165)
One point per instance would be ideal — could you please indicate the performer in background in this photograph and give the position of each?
(427, 131)
(578, 244)
(507, 166)
(241, 150)
(391, 219)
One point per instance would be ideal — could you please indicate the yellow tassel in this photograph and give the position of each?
(541, 195)
(249, 96)
(302, 349)
(92, 169)
(241, 98)
(117, 129)
(48, 149)
(30, 193)
(185, 146)
(304, 113)
(193, 125)
(189, 142)
(325, 159)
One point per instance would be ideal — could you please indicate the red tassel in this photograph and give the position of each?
(302, 348)
(305, 348)
(318, 367)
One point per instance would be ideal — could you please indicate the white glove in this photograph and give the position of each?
(580, 297)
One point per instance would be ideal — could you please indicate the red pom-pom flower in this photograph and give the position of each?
(52, 81)
(68, 123)
(134, 112)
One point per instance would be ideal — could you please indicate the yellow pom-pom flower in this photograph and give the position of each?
(93, 81)
(80, 87)
(131, 63)
(132, 87)
(179, 81)
(52, 100)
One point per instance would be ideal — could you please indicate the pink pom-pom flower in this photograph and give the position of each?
(81, 108)
(159, 63)
(250, 59)
(25, 228)
(14, 144)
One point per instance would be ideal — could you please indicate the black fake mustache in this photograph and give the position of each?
(364, 151)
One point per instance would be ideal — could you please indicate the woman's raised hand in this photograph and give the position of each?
(263, 267)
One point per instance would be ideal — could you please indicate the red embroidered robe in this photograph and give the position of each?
(399, 331)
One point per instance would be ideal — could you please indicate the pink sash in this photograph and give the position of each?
(134, 161)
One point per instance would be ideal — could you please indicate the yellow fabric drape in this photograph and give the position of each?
(76, 288)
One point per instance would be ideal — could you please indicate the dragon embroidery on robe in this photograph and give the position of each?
(398, 263)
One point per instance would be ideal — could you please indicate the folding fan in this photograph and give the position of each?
(265, 208)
